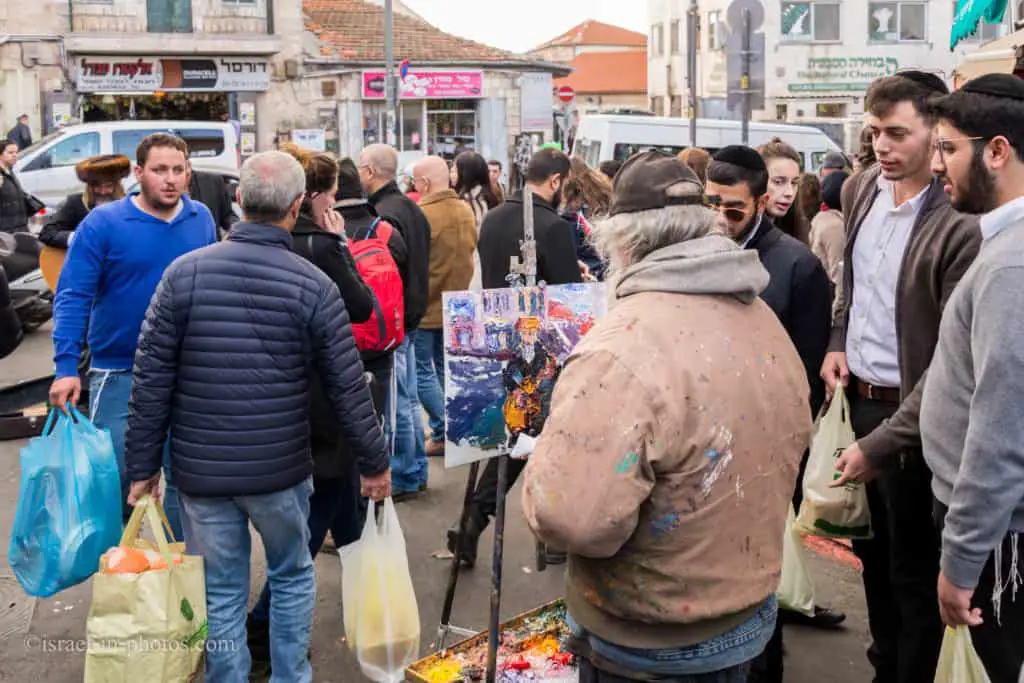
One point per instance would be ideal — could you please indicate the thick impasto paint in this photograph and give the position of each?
(504, 349)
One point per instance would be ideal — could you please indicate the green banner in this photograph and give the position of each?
(969, 13)
(828, 87)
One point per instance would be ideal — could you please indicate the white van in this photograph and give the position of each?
(604, 137)
(47, 168)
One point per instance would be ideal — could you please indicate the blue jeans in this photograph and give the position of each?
(409, 460)
(430, 378)
(218, 529)
(335, 507)
(713, 661)
(109, 391)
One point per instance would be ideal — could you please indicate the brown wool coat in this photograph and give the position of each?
(452, 245)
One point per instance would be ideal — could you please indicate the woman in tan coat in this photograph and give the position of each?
(828, 231)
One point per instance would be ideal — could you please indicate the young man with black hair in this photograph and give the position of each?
(907, 249)
(500, 235)
(495, 168)
(800, 294)
(971, 429)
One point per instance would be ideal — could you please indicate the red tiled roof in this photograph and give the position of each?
(592, 32)
(352, 30)
(607, 72)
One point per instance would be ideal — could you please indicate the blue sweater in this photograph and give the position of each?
(115, 262)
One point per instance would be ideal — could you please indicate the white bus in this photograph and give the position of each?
(604, 137)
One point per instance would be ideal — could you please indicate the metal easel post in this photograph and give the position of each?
(453, 577)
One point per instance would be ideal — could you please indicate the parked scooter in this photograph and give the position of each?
(30, 295)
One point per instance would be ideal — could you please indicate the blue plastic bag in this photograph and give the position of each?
(69, 505)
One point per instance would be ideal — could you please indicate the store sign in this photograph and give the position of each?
(427, 85)
(148, 74)
(842, 74)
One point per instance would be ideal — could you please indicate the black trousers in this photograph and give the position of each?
(485, 499)
(901, 562)
(998, 642)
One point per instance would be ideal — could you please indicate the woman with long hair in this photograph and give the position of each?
(783, 205)
(586, 195)
(810, 195)
(473, 184)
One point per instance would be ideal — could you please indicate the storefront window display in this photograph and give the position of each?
(175, 106)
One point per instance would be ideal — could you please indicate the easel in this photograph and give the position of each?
(520, 273)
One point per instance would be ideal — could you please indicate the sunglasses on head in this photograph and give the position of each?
(732, 214)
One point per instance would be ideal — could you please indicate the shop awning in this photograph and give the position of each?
(969, 14)
(997, 56)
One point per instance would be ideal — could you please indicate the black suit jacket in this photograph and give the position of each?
(210, 189)
(65, 221)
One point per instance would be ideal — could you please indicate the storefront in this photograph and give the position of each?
(438, 111)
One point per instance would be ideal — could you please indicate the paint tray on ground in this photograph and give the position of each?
(531, 648)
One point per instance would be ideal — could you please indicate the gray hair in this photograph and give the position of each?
(268, 185)
(383, 159)
(627, 238)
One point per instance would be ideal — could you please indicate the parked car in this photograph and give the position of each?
(47, 168)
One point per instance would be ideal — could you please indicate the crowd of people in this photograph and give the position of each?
(279, 370)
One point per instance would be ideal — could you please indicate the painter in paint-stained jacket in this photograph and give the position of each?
(669, 458)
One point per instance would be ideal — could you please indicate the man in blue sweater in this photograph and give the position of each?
(115, 262)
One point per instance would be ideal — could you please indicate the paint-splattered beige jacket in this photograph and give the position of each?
(669, 458)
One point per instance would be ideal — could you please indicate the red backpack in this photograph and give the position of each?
(385, 329)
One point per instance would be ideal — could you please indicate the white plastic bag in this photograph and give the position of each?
(796, 589)
(958, 662)
(382, 621)
(833, 512)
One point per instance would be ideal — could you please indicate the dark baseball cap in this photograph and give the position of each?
(653, 180)
(835, 160)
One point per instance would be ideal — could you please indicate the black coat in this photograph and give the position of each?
(10, 326)
(210, 190)
(21, 135)
(13, 209)
(224, 362)
(502, 231)
(800, 293)
(405, 216)
(64, 222)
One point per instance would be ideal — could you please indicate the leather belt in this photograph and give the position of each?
(874, 393)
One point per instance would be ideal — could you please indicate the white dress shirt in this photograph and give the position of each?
(872, 349)
(993, 222)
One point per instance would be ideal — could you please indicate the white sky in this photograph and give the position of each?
(519, 25)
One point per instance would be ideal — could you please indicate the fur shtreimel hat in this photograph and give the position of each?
(103, 168)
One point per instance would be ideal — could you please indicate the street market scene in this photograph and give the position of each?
(408, 340)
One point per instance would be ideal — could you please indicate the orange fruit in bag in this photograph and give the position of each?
(125, 560)
(156, 560)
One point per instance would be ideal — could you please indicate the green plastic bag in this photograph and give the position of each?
(958, 662)
(832, 512)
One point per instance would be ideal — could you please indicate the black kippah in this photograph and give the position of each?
(996, 85)
(739, 155)
(928, 80)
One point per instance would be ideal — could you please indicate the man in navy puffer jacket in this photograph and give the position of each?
(223, 364)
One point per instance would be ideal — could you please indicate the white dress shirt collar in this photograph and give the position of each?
(912, 205)
(993, 222)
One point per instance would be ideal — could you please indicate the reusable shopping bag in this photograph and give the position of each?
(958, 662)
(150, 625)
(832, 512)
(382, 621)
(69, 505)
(796, 589)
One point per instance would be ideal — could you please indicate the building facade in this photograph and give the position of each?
(819, 55)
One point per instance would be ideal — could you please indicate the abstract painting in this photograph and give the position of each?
(503, 350)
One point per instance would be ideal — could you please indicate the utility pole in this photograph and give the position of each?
(745, 78)
(691, 68)
(390, 81)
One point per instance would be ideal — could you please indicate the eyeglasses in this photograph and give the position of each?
(944, 146)
(732, 214)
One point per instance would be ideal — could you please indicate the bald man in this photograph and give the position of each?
(378, 168)
(452, 246)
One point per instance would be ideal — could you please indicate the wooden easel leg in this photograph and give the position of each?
(499, 542)
(453, 576)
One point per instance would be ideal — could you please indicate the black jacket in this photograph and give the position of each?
(502, 231)
(13, 210)
(800, 293)
(223, 364)
(21, 135)
(61, 224)
(209, 189)
(10, 326)
(393, 206)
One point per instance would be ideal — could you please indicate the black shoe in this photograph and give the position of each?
(824, 618)
(469, 545)
(552, 557)
(258, 640)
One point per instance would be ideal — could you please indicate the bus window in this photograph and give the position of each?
(625, 150)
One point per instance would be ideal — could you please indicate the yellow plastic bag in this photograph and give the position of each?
(826, 511)
(796, 589)
(151, 625)
(382, 621)
(958, 662)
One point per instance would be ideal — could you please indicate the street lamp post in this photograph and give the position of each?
(390, 84)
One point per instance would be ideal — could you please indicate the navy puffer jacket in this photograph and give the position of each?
(223, 365)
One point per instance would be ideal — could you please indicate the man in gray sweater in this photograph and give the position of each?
(971, 426)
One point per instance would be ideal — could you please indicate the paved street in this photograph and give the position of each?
(813, 656)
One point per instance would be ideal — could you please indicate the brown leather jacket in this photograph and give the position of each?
(942, 246)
